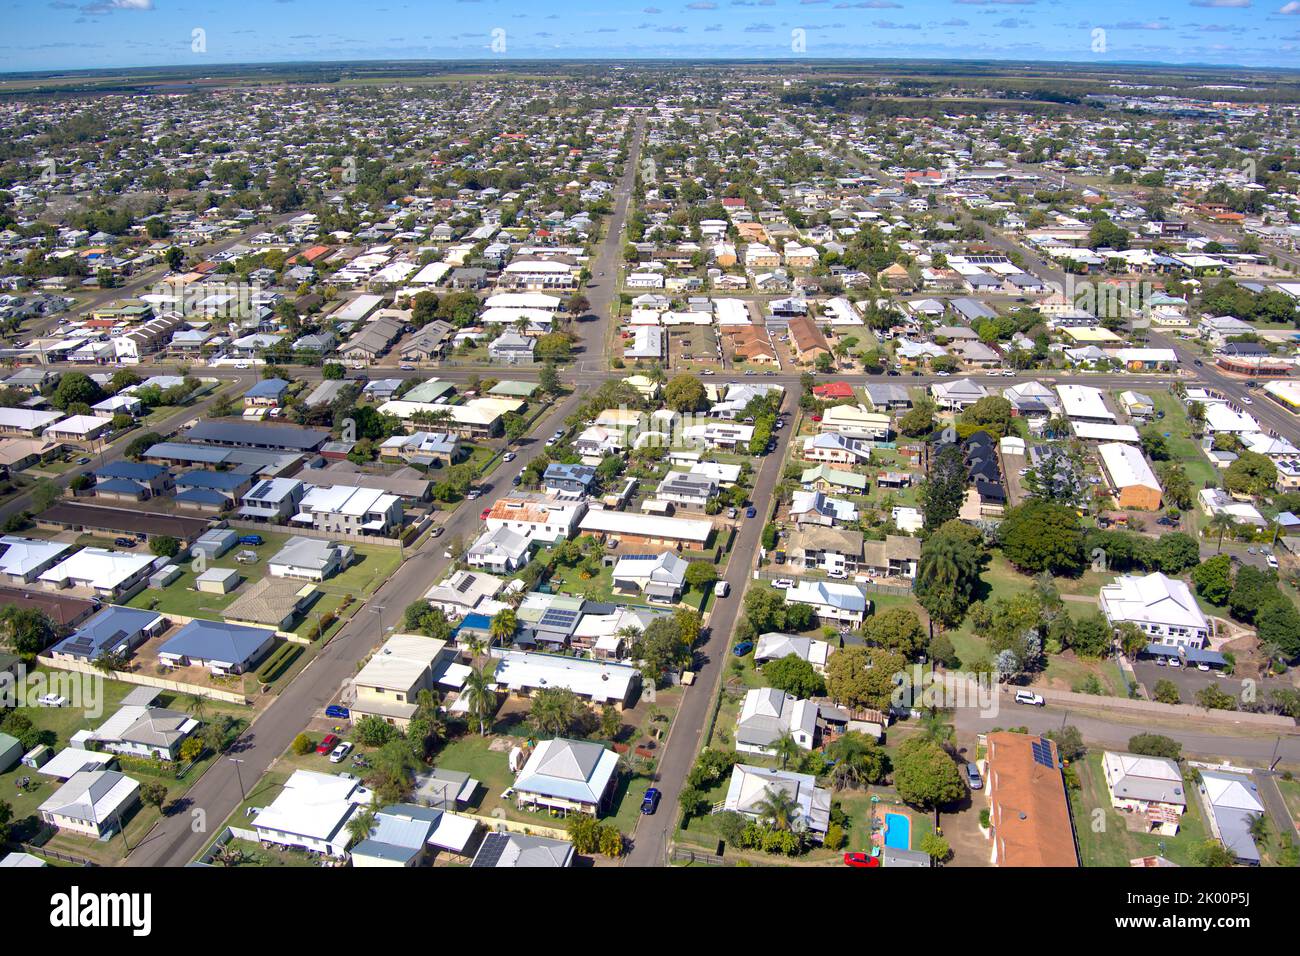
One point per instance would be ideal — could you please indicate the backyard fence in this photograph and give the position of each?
(681, 854)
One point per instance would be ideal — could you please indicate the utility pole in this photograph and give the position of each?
(243, 795)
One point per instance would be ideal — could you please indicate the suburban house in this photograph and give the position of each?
(569, 776)
(1148, 787)
(826, 479)
(346, 509)
(145, 731)
(509, 849)
(1131, 479)
(114, 630)
(749, 788)
(660, 577)
(568, 480)
(773, 646)
(499, 550)
(112, 575)
(464, 592)
(24, 560)
(835, 448)
(1029, 812)
(309, 559)
(856, 421)
(132, 481)
(816, 508)
(221, 647)
(639, 530)
(837, 551)
(94, 803)
(600, 683)
(687, 489)
(536, 517)
(272, 499)
(768, 714)
(1233, 803)
(311, 812)
(1160, 606)
(387, 686)
(898, 556)
(407, 835)
(831, 601)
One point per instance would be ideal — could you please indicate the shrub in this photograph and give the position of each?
(302, 745)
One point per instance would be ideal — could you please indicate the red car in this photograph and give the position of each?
(486, 512)
(327, 744)
(861, 860)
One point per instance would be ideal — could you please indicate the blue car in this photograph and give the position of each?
(338, 710)
(743, 648)
(250, 539)
(751, 512)
(650, 802)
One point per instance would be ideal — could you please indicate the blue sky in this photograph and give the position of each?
(64, 34)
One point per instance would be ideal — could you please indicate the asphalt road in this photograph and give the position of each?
(651, 836)
(174, 841)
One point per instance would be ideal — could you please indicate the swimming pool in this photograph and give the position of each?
(898, 831)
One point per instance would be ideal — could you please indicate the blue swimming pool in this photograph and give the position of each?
(898, 831)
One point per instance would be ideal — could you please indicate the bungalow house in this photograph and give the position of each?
(750, 787)
(826, 479)
(568, 776)
(1234, 803)
(311, 812)
(112, 575)
(309, 559)
(807, 340)
(114, 630)
(957, 395)
(1131, 479)
(774, 646)
(23, 560)
(506, 849)
(145, 731)
(221, 647)
(768, 714)
(632, 531)
(1148, 787)
(599, 683)
(94, 803)
(407, 835)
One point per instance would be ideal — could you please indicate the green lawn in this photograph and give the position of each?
(1115, 845)
(65, 721)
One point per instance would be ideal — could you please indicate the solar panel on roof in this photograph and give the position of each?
(1043, 753)
(489, 853)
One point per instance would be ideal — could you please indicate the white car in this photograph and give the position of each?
(51, 700)
(1030, 698)
(508, 456)
(340, 753)
(1175, 662)
(783, 583)
(1271, 560)
(1247, 400)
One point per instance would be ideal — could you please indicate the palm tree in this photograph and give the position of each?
(480, 697)
(777, 809)
(1222, 522)
(787, 748)
(198, 706)
(504, 625)
(360, 825)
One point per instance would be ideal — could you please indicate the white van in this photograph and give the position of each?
(722, 589)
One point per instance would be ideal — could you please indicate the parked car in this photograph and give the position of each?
(743, 648)
(517, 480)
(1030, 698)
(327, 744)
(650, 802)
(1271, 560)
(860, 860)
(508, 456)
(51, 700)
(473, 494)
(722, 589)
(751, 512)
(340, 753)
(338, 711)
(973, 777)
(783, 583)
(438, 530)
(251, 539)
(484, 513)
(732, 513)
(124, 542)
